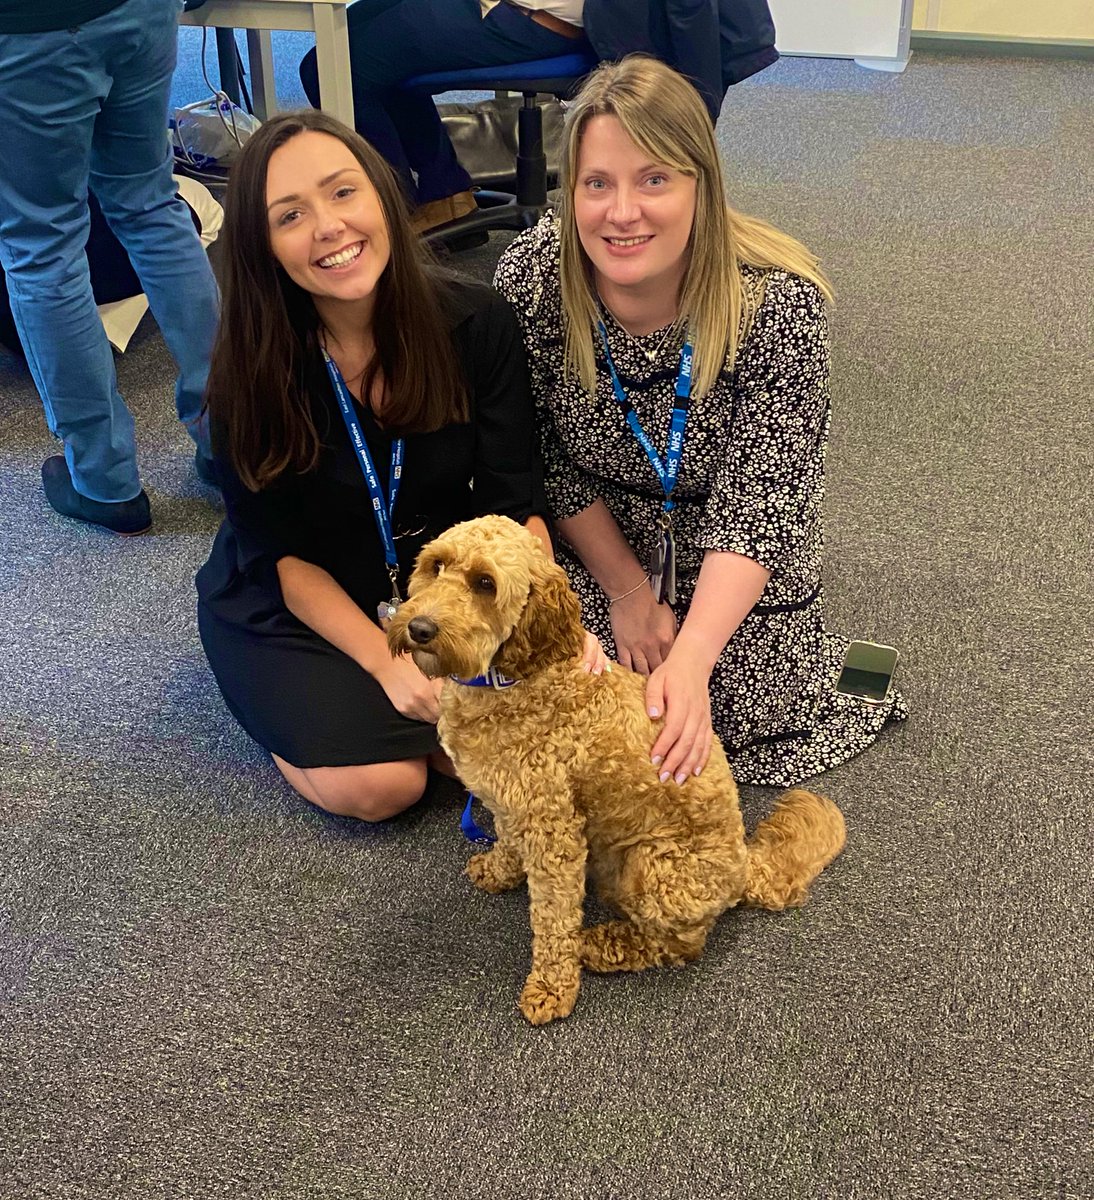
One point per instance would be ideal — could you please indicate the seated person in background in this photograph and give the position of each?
(714, 44)
(337, 332)
(393, 40)
(643, 267)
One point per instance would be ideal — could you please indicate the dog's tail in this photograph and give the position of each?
(790, 848)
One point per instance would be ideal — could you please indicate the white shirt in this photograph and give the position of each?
(566, 10)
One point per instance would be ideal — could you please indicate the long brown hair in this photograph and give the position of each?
(663, 114)
(269, 329)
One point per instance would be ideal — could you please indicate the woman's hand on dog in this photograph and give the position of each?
(643, 629)
(680, 690)
(679, 684)
(411, 692)
(593, 657)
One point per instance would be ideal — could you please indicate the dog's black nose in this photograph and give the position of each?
(422, 630)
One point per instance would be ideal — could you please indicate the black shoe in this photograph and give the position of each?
(126, 517)
(206, 468)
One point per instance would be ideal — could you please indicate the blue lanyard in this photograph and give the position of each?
(383, 513)
(668, 470)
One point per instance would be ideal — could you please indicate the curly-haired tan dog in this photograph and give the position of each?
(562, 760)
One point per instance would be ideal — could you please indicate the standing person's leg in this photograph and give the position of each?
(131, 178)
(51, 86)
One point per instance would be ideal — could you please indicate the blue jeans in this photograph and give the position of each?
(80, 107)
(392, 40)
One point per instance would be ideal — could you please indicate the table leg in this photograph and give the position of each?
(226, 64)
(332, 60)
(260, 58)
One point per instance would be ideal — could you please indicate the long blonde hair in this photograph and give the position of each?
(664, 116)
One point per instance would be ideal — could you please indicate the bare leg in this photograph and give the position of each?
(440, 761)
(372, 792)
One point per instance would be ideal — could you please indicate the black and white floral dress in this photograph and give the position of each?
(751, 481)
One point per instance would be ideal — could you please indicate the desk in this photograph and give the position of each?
(325, 18)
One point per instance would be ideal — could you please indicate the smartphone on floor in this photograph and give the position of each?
(867, 672)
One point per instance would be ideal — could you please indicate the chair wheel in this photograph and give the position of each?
(456, 243)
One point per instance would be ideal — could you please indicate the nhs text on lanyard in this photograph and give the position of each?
(383, 513)
(663, 561)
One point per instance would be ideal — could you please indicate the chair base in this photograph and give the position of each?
(497, 210)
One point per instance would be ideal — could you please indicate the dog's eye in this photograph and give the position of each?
(484, 584)
(437, 566)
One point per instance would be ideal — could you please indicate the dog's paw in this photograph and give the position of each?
(544, 1000)
(493, 872)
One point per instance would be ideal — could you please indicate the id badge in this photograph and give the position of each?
(663, 566)
(385, 610)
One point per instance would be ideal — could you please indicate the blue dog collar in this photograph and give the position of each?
(492, 679)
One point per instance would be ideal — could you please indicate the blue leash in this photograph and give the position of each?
(471, 830)
(496, 680)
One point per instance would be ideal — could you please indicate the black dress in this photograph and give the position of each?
(751, 482)
(295, 693)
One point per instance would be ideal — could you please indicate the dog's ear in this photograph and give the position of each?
(423, 571)
(549, 629)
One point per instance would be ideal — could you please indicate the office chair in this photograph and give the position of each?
(559, 76)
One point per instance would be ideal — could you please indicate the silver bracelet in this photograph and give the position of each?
(631, 592)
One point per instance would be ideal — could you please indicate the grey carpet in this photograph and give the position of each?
(208, 989)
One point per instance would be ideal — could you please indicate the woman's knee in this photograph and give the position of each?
(373, 792)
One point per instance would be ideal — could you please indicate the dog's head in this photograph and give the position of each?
(484, 594)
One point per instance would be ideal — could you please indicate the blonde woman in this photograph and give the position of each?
(679, 356)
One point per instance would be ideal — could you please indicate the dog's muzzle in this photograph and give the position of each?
(422, 630)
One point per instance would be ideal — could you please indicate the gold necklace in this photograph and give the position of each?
(651, 355)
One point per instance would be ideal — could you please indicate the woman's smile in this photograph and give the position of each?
(342, 259)
(627, 247)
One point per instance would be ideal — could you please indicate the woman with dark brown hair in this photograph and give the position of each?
(356, 394)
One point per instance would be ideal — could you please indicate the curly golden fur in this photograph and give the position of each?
(563, 762)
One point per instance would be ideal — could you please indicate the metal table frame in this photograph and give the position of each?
(325, 18)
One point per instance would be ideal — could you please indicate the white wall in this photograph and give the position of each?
(841, 28)
(1062, 20)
